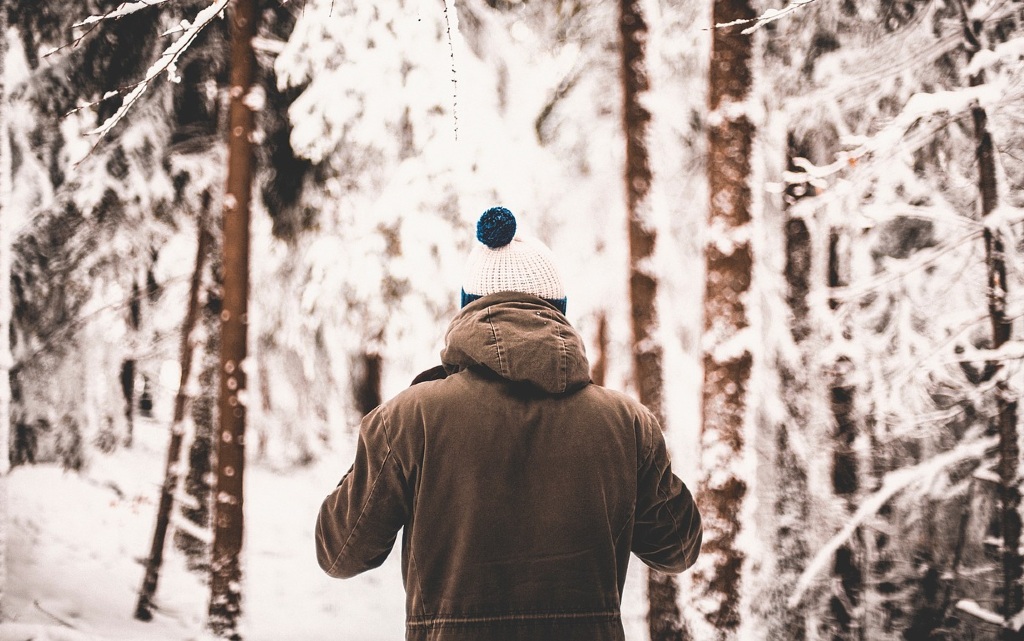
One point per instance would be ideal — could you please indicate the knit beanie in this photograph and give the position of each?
(505, 262)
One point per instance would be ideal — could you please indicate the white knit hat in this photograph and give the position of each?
(505, 262)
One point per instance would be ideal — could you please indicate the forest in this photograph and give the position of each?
(791, 228)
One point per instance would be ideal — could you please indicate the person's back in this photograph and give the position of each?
(521, 486)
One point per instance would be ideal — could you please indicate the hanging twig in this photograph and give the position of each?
(449, 11)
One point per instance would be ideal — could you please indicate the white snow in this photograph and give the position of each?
(76, 548)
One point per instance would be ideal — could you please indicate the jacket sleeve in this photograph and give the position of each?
(359, 521)
(667, 531)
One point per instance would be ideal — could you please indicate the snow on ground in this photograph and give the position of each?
(77, 542)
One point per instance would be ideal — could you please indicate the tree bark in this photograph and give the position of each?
(727, 357)
(366, 392)
(6, 309)
(1004, 423)
(144, 607)
(664, 620)
(197, 483)
(790, 486)
(226, 571)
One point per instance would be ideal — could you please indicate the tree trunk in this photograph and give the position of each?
(197, 485)
(663, 617)
(1004, 423)
(366, 391)
(727, 356)
(6, 308)
(225, 566)
(128, 390)
(144, 607)
(128, 368)
(847, 566)
(791, 507)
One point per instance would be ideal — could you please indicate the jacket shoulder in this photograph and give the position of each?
(624, 401)
(647, 428)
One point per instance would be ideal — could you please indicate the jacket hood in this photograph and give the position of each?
(520, 338)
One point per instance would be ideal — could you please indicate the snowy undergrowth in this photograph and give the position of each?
(77, 540)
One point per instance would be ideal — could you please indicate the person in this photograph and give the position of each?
(520, 487)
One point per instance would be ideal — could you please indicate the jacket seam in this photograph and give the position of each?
(563, 370)
(631, 517)
(369, 497)
(497, 345)
(524, 617)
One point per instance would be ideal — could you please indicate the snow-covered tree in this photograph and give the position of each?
(894, 227)
(727, 345)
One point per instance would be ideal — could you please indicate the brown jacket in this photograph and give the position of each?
(521, 487)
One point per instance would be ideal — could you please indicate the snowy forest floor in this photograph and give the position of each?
(77, 543)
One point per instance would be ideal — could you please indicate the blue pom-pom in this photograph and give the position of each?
(496, 227)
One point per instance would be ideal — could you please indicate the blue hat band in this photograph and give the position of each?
(559, 303)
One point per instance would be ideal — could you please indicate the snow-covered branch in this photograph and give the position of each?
(122, 10)
(922, 107)
(899, 270)
(93, 21)
(893, 483)
(975, 610)
(166, 63)
(1010, 351)
(770, 15)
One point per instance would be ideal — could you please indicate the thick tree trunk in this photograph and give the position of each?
(663, 616)
(226, 571)
(727, 357)
(144, 607)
